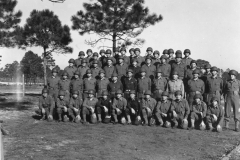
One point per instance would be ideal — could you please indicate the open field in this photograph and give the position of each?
(34, 139)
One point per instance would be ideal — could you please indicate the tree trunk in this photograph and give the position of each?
(45, 67)
(114, 43)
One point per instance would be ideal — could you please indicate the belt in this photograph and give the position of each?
(214, 92)
(127, 90)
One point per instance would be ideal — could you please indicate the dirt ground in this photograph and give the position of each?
(31, 139)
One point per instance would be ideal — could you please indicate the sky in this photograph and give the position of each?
(209, 28)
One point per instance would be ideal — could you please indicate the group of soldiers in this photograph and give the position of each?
(166, 90)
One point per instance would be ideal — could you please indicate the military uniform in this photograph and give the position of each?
(104, 103)
(62, 105)
(140, 60)
(82, 70)
(113, 87)
(198, 112)
(121, 70)
(118, 108)
(70, 71)
(47, 104)
(64, 85)
(166, 69)
(144, 84)
(52, 85)
(180, 68)
(150, 70)
(214, 87)
(218, 112)
(128, 85)
(173, 86)
(95, 72)
(136, 71)
(74, 107)
(109, 71)
(148, 106)
(89, 107)
(102, 85)
(77, 84)
(133, 108)
(159, 86)
(162, 111)
(88, 84)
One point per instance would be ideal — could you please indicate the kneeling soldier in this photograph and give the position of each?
(133, 109)
(148, 105)
(75, 106)
(198, 113)
(46, 105)
(89, 105)
(180, 111)
(104, 106)
(62, 103)
(214, 115)
(119, 106)
(162, 111)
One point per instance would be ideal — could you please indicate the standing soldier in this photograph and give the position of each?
(165, 67)
(71, 69)
(159, 85)
(62, 104)
(83, 68)
(140, 59)
(108, 56)
(121, 68)
(214, 117)
(162, 111)
(95, 69)
(114, 85)
(144, 84)
(133, 109)
(78, 61)
(214, 86)
(207, 74)
(75, 106)
(77, 85)
(135, 68)
(46, 105)
(52, 84)
(191, 68)
(156, 59)
(89, 56)
(150, 69)
(231, 93)
(102, 84)
(198, 112)
(103, 57)
(89, 83)
(95, 59)
(104, 108)
(109, 69)
(180, 111)
(64, 85)
(132, 55)
(118, 107)
(165, 53)
(148, 105)
(179, 65)
(175, 84)
(194, 86)
(187, 60)
(126, 59)
(171, 59)
(129, 83)
(149, 52)
(89, 106)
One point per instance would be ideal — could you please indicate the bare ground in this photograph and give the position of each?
(33, 139)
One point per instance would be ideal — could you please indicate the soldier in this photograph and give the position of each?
(187, 60)
(118, 107)
(214, 116)
(162, 111)
(129, 83)
(165, 53)
(102, 84)
(144, 84)
(121, 68)
(114, 85)
(46, 105)
(207, 74)
(133, 109)
(89, 83)
(135, 68)
(171, 59)
(132, 55)
(191, 68)
(89, 56)
(150, 69)
(104, 108)
(180, 111)
(94, 60)
(231, 93)
(198, 112)
(140, 59)
(109, 69)
(71, 69)
(64, 85)
(165, 67)
(89, 107)
(126, 59)
(82, 69)
(175, 84)
(159, 85)
(103, 57)
(75, 106)
(214, 86)
(156, 59)
(78, 61)
(179, 65)
(77, 84)
(149, 52)
(62, 104)
(108, 56)
(52, 84)
(95, 69)
(148, 105)
(194, 86)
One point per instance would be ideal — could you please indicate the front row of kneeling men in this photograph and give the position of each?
(145, 111)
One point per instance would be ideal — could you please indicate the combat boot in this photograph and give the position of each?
(237, 126)
(210, 127)
(226, 127)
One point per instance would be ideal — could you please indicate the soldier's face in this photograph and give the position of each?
(175, 76)
(178, 59)
(61, 97)
(54, 74)
(89, 74)
(132, 96)
(95, 65)
(148, 61)
(167, 55)
(89, 53)
(102, 75)
(130, 74)
(102, 54)
(171, 55)
(76, 76)
(187, 54)
(108, 55)
(147, 96)
(114, 78)
(215, 103)
(82, 56)
(193, 65)
(109, 63)
(123, 53)
(214, 73)
(71, 64)
(163, 60)
(232, 76)
(44, 95)
(132, 54)
(159, 74)
(64, 77)
(119, 95)
(90, 95)
(84, 64)
(105, 97)
(75, 96)
(208, 70)
(134, 63)
(156, 55)
(178, 97)
(197, 100)
(164, 98)
(137, 53)
(120, 60)
(143, 74)
(195, 75)
(203, 70)
(95, 57)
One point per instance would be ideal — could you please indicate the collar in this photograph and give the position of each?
(196, 79)
(148, 65)
(120, 99)
(53, 77)
(115, 81)
(215, 106)
(164, 101)
(90, 99)
(143, 77)
(110, 66)
(214, 77)
(121, 64)
(102, 78)
(159, 78)
(129, 78)
(180, 100)
(89, 78)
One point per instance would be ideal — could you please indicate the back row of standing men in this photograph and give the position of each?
(141, 74)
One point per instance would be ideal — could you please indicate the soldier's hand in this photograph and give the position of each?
(185, 120)
(164, 115)
(105, 109)
(50, 117)
(197, 92)
(133, 111)
(148, 110)
(43, 111)
(75, 109)
(174, 114)
(219, 128)
(78, 117)
(92, 109)
(138, 118)
(118, 110)
(201, 114)
(65, 109)
(214, 117)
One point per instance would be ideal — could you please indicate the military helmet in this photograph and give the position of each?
(54, 70)
(130, 70)
(61, 93)
(178, 54)
(71, 60)
(89, 50)
(178, 93)
(77, 73)
(108, 51)
(233, 72)
(148, 57)
(193, 61)
(214, 69)
(75, 92)
(198, 96)
(81, 53)
(114, 74)
(149, 49)
(131, 50)
(137, 49)
(104, 93)
(101, 71)
(120, 57)
(156, 52)
(143, 70)
(165, 51)
(65, 74)
(134, 60)
(132, 92)
(196, 71)
(170, 51)
(95, 61)
(102, 51)
(95, 54)
(91, 92)
(187, 51)
(119, 91)
(165, 93)
(159, 70)
(148, 92)
(207, 66)
(84, 61)
(174, 73)
(123, 49)
(164, 57)
(89, 71)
